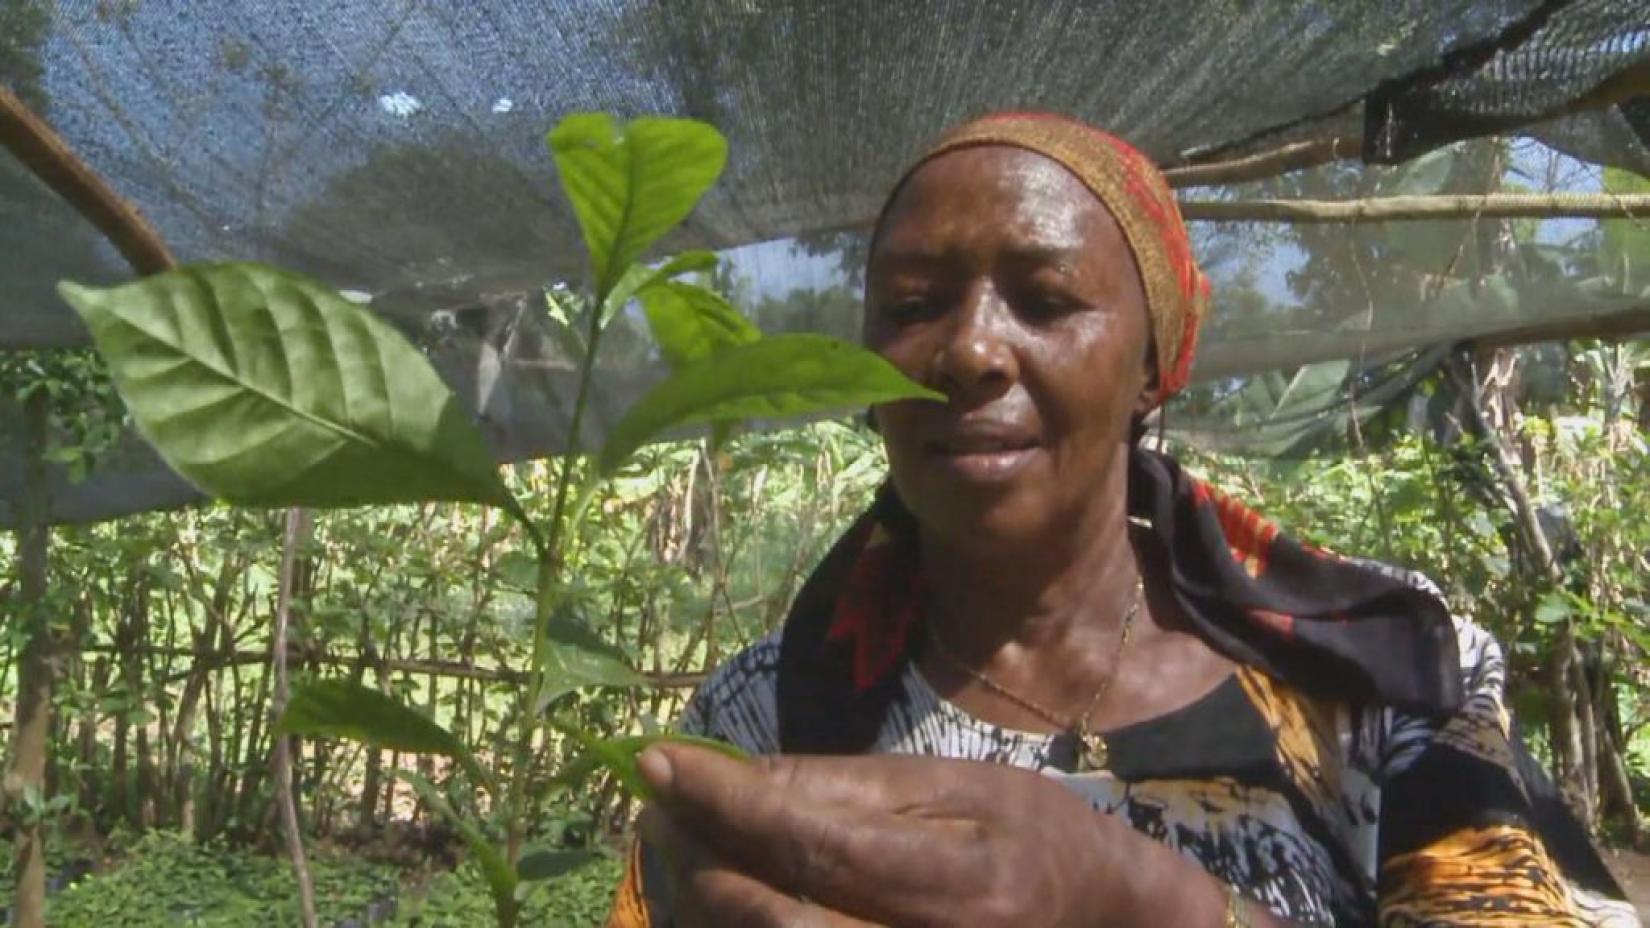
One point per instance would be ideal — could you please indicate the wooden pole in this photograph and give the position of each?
(297, 532)
(25, 779)
(49, 158)
(1394, 209)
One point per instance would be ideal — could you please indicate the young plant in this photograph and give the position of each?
(266, 388)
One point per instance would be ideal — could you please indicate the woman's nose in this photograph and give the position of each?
(976, 360)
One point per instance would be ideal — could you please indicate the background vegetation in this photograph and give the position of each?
(1517, 478)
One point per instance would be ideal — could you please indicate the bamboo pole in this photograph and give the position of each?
(1406, 208)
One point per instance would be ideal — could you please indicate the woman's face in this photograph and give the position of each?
(1001, 281)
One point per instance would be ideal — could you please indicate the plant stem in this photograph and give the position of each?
(546, 594)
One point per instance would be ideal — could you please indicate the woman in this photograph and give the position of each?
(1231, 728)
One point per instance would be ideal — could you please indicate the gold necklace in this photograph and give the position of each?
(1092, 751)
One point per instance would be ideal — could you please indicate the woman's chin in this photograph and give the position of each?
(983, 522)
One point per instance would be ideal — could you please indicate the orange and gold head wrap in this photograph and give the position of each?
(1134, 191)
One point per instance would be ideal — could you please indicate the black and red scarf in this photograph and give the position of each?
(1333, 628)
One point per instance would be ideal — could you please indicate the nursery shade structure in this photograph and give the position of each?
(394, 147)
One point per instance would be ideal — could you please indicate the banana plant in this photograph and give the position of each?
(264, 387)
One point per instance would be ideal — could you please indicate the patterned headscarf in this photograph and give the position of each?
(1139, 199)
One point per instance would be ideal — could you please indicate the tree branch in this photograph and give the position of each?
(216, 660)
(1296, 156)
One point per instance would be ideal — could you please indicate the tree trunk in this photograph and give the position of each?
(26, 769)
(297, 530)
(91, 782)
(183, 757)
(249, 806)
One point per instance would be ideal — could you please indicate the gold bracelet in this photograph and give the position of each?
(1237, 910)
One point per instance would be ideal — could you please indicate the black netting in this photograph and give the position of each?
(1564, 56)
(395, 148)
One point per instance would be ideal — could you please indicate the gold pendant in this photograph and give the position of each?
(1093, 751)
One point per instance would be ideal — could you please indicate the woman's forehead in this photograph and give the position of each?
(1000, 197)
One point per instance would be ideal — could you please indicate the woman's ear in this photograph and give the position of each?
(1151, 389)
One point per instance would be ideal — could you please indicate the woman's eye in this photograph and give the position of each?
(1043, 304)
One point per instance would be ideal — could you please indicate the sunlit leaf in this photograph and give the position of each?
(690, 323)
(778, 377)
(264, 387)
(638, 279)
(631, 183)
(341, 709)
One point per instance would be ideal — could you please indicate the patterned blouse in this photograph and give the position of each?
(1326, 814)
(1359, 767)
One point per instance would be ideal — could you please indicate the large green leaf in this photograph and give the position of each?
(778, 377)
(495, 868)
(639, 278)
(264, 387)
(578, 657)
(629, 184)
(691, 323)
(341, 709)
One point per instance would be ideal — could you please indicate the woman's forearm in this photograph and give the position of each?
(1153, 885)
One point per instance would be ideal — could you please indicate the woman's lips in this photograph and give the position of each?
(983, 460)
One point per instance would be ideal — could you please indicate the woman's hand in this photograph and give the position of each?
(904, 840)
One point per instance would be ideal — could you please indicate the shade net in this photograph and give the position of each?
(395, 149)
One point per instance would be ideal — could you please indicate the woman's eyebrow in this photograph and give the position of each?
(916, 259)
(920, 258)
(1032, 257)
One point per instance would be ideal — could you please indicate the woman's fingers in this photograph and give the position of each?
(714, 893)
(894, 783)
(797, 824)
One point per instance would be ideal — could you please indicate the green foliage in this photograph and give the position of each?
(266, 388)
(778, 377)
(495, 867)
(631, 184)
(341, 709)
(460, 899)
(167, 880)
(1626, 248)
